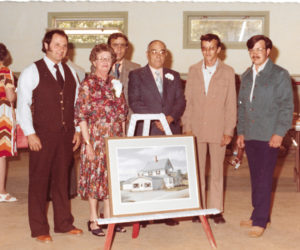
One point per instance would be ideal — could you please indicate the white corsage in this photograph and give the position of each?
(169, 76)
(117, 87)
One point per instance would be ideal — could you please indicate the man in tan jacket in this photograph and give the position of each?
(211, 116)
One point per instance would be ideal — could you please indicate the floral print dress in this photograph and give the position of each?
(104, 113)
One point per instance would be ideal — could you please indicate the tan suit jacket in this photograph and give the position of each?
(126, 68)
(212, 115)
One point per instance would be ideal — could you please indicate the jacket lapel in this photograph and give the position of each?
(150, 82)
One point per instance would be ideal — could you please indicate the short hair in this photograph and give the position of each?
(254, 39)
(98, 48)
(116, 36)
(209, 37)
(3, 52)
(48, 37)
(154, 41)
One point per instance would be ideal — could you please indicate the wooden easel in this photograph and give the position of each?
(135, 219)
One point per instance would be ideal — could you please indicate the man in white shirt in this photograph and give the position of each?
(45, 111)
(211, 116)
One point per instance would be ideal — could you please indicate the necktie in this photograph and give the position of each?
(59, 77)
(117, 71)
(158, 81)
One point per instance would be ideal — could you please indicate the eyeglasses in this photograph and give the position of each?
(208, 48)
(158, 52)
(257, 50)
(119, 45)
(104, 59)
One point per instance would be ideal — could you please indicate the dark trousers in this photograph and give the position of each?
(262, 161)
(49, 170)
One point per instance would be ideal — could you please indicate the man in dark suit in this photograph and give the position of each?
(153, 89)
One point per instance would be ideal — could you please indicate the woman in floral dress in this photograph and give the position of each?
(7, 121)
(100, 112)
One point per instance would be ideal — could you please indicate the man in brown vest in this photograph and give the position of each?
(46, 95)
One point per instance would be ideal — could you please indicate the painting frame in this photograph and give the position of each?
(222, 16)
(174, 188)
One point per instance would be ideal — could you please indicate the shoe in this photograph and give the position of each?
(7, 198)
(44, 238)
(75, 231)
(256, 231)
(196, 219)
(218, 218)
(120, 229)
(248, 223)
(171, 222)
(97, 231)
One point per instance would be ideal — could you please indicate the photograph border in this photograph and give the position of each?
(117, 208)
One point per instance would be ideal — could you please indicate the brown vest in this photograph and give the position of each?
(53, 107)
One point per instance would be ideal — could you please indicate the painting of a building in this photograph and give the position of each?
(156, 175)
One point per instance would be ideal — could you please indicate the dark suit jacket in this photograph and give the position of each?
(144, 97)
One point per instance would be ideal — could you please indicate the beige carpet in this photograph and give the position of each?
(283, 234)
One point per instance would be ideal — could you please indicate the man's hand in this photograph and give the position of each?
(34, 142)
(275, 141)
(76, 140)
(188, 133)
(158, 124)
(226, 140)
(240, 141)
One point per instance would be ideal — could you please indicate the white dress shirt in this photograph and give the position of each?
(255, 73)
(207, 74)
(28, 81)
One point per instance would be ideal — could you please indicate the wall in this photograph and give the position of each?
(23, 25)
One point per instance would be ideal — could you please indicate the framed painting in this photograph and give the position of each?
(233, 27)
(153, 174)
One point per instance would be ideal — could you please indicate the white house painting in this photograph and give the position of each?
(153, 173)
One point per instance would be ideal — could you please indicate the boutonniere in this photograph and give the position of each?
(169, 76)
(117, 87)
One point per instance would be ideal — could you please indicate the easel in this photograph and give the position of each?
(136, 219)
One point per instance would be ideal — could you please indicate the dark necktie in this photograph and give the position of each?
(117, 71)
(59, 77)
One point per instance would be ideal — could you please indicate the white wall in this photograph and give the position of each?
(22, 27)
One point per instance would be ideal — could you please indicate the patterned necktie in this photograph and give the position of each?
(117, 71)
(59, 77)
(158, 81)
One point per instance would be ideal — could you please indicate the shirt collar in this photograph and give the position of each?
(153, 70)
(211, 68)
(261, 67)
(50, 63)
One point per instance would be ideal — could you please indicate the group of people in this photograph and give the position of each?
(58, 114)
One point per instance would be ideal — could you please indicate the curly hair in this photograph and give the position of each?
(98, 48)
(3, 52)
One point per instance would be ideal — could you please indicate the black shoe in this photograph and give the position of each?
(196, 219)
(97, 231)
(218, 218)
(171, 222)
